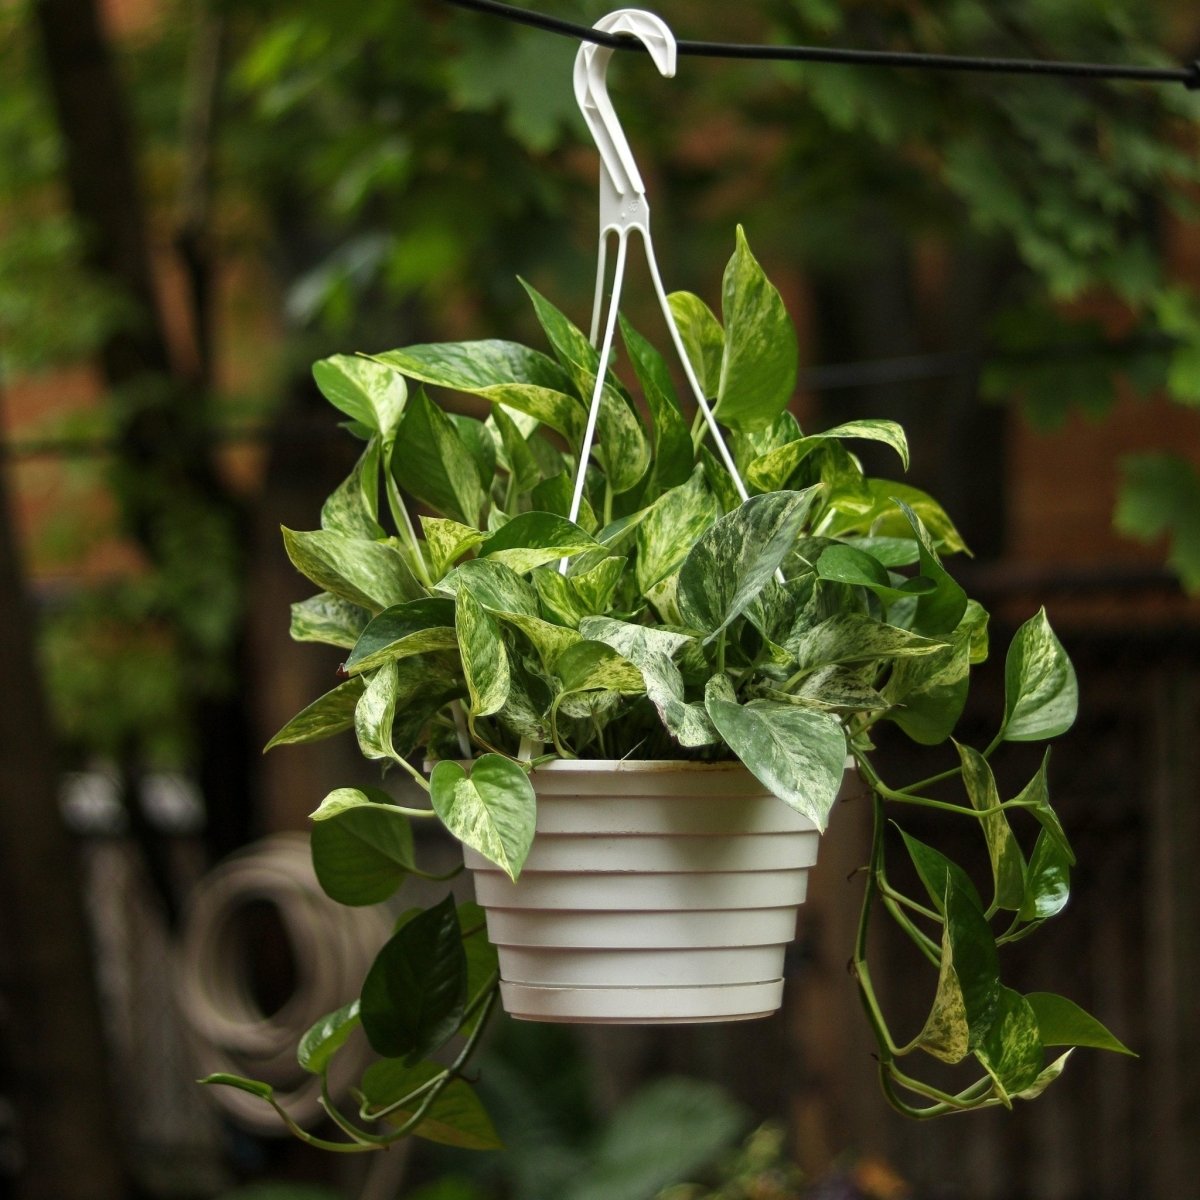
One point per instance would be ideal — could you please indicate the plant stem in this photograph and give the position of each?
(404, 524)
(417, 776)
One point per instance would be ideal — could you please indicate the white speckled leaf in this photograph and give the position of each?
(373, 575)
(324, 717)
(403, 630)
(484, 658)
(672, 526)
(703, 338)
(328, 619)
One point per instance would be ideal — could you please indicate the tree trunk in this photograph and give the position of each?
(54, 1041)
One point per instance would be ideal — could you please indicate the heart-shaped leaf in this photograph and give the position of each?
(492, 809)
(1041, 696)
(368, 392)
(372, 575)
(362, 846)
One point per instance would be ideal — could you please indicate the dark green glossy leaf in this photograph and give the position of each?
(492, 809)
(736, 557)
(1008, 863)
(1011, 1050)
(326, 1037)
(368, 392)
(758, 368)
(362, 846)
(328, 619)
(673, 454)
(939, 611)
(331, 714)
(703, 339)
(372, 575)
(1041, 696)
(1048, 884)
(555, 493)
(416, 990)
(483, 963)
(413, 628)
(841, 563)
(1061, 1022)
(432, 463)
(937, 873)
(798, 753)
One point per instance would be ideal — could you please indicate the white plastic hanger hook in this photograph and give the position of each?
(622, 192)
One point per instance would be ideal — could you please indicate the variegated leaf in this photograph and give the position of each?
(368, 392)
(328, 619)
(373, 575)
(324, 717)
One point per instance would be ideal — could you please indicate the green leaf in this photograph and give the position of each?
(1008, 863)
(968, 980)
(431, 462)
(1011, 1050)
(703, 339)
(1048, 881)
(1045, 1078)
(368, 392)
(416, 990)
(484, 659)
(938, 611)
(772, 470)
(622, 447)
(929, 692)
(330, 714)
(492, 584)
(326, 1037)
(1061, 1022)
(362, 846)
(478, 440)
(371, 575)
(1160, 498)
(518, 458)
(590, 666)
(534, 538)
(264, 1091)
(1037, 792)
(353, 508)
(455, 1118)
(492, 809)
(673, 453)
(854, 638)
(1041, 696)
(869, 507)
(328, 619)
(841, 563)
(483, 963)
(555, 493)
(758, 368)
(938, 873)
(416, 627)
(375, 714)
(447, 541)
(475, 367)
(672, 526)
(797, 753)
(736, 557)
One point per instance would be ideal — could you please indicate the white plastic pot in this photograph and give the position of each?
(655, 893)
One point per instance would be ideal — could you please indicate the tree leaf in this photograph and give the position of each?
(372, 575)
(368, 392)
(328, 619)
(362, 846)
(415, 627)
(736, 557)
(484, 658)
(416, 990)
(323, 718)
(1008, 863)
(431, 462)
(674, 524)
(1041, 696)
(703, 339)
(758, 367)
(1160, 497)
(492, 809)
(326, 1037)
(1061, 1022)
(797, 753)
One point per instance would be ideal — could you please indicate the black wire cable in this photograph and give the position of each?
(1188, 76)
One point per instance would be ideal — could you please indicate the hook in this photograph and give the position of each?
(622, 192)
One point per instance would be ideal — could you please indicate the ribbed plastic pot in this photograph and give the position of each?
(655, 893)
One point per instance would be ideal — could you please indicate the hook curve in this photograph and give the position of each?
(622, 192)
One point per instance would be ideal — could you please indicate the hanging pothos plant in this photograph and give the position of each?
(688, 624)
